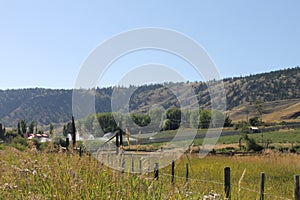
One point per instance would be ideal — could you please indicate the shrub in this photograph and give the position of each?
(40, 145)
(59, 142)
(20, 143)
(20, 140)
(251, 144)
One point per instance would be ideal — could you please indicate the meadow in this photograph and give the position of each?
(40, 175)
(288, 138)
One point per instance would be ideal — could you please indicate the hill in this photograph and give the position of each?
(278, 90)
(273, 111)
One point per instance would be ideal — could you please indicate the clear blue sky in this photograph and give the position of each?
(44, 43)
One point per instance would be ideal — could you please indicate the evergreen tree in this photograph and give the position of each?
(73, 132)
(65, 133)
(23, 127)
(51, 129)
(19, 128)
(31, 127)
(1, 132)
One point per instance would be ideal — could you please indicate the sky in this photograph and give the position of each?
(45, 43)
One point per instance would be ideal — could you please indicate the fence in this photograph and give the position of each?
(226, 182)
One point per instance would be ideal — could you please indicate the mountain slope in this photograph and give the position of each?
(279, 90)
(273, 111)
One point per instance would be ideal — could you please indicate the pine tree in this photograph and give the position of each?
(23, 126)
(73, 132)
(19, 128)
(1, 132)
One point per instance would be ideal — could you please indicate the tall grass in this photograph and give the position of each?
(36, 175)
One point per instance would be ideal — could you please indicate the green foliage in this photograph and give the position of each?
(2, 132)
(36, 143)
(41, 146)
(19, 143)
(60, 142)
(10, 134)
(2, 146)
(254, 121)
(51, 129)
(251, 144)
(102, 123)
(173, 119)
(194, 119)
(259, 107)
(19, 129)
(242, 126)
(67, 176)
(68, 129)
(157, 115)
(228, 122)
(166, 125)
(205, 118)
(73, 133)
(31, 127)
(107, 122)
(140, 119)
(23, 126)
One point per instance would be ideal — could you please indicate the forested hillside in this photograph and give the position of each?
(52, 105)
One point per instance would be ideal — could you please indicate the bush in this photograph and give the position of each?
(40, 145)
(272, 147)
(20, 143)
(60, 142)
(19, 146)
(251, 145)
(44, 146)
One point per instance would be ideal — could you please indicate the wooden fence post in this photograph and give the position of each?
(117, 142)
(141, 169)
(132, 163)
(80, 151)
(173, 171)
(67, 143)
(262, 186)
(227, 182)
(296, 190)
(148, 170)
(123, 165)
(156, 172)
(186, 172)
(121, 136)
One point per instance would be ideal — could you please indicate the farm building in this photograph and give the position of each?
(254, 129)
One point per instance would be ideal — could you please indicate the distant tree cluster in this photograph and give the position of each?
(19, 132)
(271, 86)
(157, 119)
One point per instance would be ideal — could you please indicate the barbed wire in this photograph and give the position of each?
(221, 183)
(212, 182)
(193, 179)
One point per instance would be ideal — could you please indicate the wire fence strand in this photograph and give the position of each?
(221, 183)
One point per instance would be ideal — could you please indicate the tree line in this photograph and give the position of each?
(156, 120)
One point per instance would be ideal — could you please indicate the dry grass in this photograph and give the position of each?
(36, 175)
(274, 111)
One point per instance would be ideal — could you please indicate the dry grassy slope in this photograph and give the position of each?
(275, 111)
